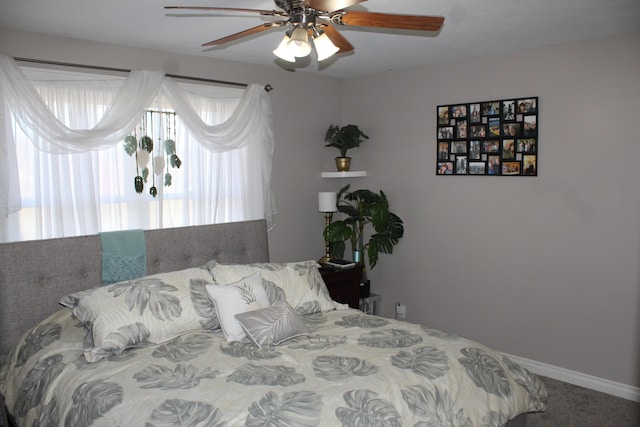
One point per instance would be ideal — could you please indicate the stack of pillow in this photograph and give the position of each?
(262, 301)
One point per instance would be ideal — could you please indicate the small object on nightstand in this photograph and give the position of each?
(340, 263)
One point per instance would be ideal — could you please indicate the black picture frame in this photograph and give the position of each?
(445, 168)
(488, 138)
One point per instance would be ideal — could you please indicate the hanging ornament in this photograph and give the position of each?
(175, 161)
(146, 144)
(169, 146)
(170, 149)
(130, 144)
(158, 165)
(162, 124)
(138, 184)
(142, 159)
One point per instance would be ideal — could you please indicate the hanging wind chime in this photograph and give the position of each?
(163, 125)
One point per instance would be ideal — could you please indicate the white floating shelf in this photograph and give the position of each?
(347, 174)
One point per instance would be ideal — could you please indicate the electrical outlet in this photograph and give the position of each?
(401, 311)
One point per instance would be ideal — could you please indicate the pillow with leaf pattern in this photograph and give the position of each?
(147, 310)
(247, 294)
(298, 283)
(272, 325)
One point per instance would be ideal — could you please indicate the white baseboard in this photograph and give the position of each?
(577, 378)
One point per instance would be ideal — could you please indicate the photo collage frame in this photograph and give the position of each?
(494, 138)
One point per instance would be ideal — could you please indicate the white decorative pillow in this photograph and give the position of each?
(298, 283)
(151, 309)
(246, 294)
(272, 325)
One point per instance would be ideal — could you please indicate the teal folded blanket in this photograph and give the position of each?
(124, 255)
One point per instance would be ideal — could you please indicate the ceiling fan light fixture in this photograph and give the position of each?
(305, 18)
(283, 52)
(324, 46)
(299, 44)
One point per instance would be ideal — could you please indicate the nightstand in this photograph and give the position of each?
(343, 284)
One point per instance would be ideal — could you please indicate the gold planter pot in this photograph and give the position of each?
(343, 163)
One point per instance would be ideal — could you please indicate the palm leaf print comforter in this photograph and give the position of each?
(352, 369)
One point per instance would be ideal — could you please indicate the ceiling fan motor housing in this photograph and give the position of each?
(303, 17)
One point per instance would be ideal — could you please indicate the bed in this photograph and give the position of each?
(215, 334)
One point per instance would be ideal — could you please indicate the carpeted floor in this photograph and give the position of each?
(572, 406)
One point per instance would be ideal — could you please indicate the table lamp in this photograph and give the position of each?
(327, 203)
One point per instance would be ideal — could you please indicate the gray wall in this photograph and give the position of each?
(544, 268)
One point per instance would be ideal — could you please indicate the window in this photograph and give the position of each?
(89, 192)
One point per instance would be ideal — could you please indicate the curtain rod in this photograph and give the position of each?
(267, 87)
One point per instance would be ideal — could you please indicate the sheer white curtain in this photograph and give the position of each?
(225, 175)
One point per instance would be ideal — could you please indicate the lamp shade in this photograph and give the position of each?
(283, 52)
(299, 43)
(327, 201)
(324, 47)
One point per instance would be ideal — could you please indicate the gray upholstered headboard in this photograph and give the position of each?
(34, 275)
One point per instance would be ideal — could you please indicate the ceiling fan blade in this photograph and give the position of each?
(228, 9)
(245, 33)
(338, 39)
(331, 5)
(389, 20)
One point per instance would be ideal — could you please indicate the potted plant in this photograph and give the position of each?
(364, 209)
(344, 138)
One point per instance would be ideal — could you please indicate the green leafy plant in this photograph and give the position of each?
(364, 209)
(344, 138)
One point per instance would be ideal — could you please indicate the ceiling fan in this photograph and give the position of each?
(319, 19)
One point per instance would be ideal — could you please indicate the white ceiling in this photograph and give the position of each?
(471, 28)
